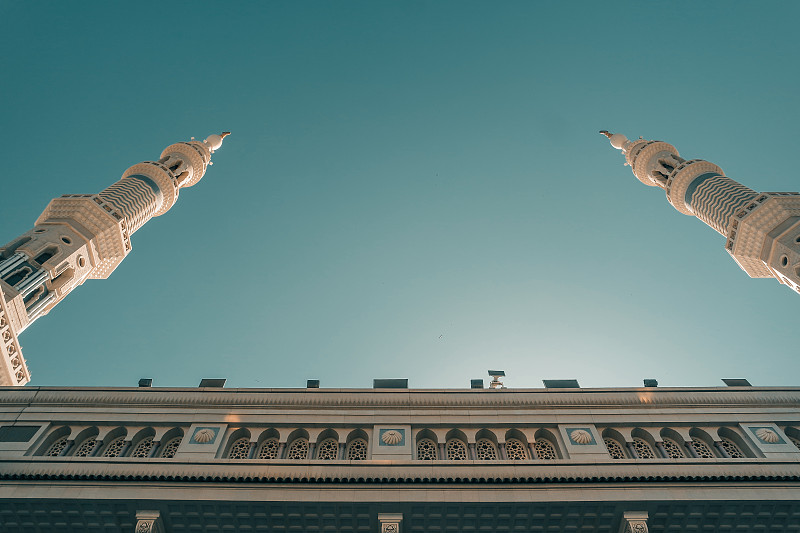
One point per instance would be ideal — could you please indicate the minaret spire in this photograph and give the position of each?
(762, 229)
(85, 236)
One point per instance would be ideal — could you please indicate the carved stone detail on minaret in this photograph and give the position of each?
(85, 236)
(762, 230)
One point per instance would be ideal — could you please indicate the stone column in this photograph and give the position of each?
(502, 451)
(532, 448)
(390, 522)
(632, 450)
(692, 452)
(251, 454)
(662, 450)
(154, 449)
(281, 448)
(721, 449)
(471, 451)
(149, 522)
(96, 450)
(634, 522)
(311, 446)
(442, 450)
(125, 448)
(342, 450)
(67, 448)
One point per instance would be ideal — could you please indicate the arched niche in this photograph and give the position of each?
(735, 437)
(235, 436)
(52, 437)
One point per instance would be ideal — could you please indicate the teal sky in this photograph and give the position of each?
(411, 189)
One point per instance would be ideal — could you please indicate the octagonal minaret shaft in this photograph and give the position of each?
(762, 229)
(85, 236)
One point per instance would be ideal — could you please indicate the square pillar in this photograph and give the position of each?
(149, 522)
(634, 522)
(390, 522)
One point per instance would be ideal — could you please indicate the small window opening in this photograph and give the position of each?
(33, 296)
(46, 254)
(18, 275)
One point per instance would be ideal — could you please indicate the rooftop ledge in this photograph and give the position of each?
(463, 398)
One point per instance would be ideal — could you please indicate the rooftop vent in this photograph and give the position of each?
(650, 383)
(496, 375)
(561, 383)
(476, 383)
(212, 382)
(392, 383)
(312, 384)
(736, 382)
(146, 382)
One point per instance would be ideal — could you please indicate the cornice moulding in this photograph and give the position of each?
(405, 473)
(421, 398)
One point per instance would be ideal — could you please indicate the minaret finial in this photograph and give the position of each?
(618, 140)
(215, 141)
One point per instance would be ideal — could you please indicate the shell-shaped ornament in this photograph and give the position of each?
(392, 437)
(204, 435)
(767, 435)
(581, 436)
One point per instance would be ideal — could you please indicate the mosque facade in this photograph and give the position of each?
(388, 459)
(397, 459)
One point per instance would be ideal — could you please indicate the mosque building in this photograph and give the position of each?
(388, 459)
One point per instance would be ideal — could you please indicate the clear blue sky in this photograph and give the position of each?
(411, 189)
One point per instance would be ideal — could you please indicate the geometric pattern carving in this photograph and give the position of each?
(57, 447)
(673, 449)
(298, 449)
(357, 450)
(643, 449)
(328, 450)
(115, 447)
(615, 449)
(143, 448)
(515, 450)
(702, 450)
(732, 449)
(168, 452)
(268, 449)
(545, 449)
(86, 447)
(456, 450)
(240, 449)
(485, 450)
(426, 450)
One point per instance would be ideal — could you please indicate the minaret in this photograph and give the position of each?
(762, 229)
(85, 236)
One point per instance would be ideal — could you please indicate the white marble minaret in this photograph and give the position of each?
(762, 229)
(85, 236)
